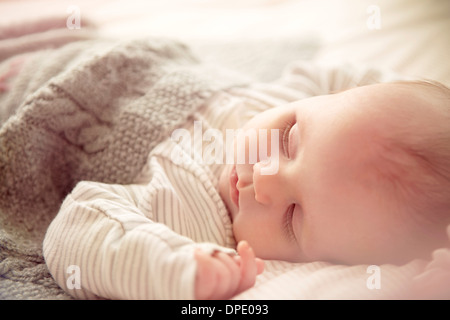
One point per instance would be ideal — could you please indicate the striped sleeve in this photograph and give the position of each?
(116, 250)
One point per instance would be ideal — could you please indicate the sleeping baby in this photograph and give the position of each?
(362, 177)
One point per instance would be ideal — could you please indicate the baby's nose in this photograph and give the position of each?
(266, 183)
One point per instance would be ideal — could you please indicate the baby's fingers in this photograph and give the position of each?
(259, 263)
(205, 282)
(248, 265)
(231, 278)
(259, 266)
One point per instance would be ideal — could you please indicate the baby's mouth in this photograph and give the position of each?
(234, 192)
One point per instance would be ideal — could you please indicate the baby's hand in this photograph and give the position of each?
(221, 276)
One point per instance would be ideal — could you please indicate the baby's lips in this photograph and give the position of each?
(234, 192)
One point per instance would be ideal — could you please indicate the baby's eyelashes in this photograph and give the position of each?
(293, 141)
(285, 139)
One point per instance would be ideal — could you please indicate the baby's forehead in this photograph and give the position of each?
(389, 95)
(410, 104)
(408, 95)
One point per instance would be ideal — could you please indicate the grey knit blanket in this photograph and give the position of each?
(88, 110)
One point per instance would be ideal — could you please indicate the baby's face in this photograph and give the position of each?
(322, 203)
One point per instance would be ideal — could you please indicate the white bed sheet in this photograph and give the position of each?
(412, 38)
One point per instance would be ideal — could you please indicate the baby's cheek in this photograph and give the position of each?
(316, 243)
(244, 229)
(223, 182)
(224, 186)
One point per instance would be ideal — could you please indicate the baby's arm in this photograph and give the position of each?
(118, 252)
(221, 276)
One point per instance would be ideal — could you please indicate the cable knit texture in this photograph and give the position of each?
(90, 110)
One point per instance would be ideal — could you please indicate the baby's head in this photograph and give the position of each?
(363, 177)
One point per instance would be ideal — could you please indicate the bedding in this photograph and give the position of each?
(43, 157)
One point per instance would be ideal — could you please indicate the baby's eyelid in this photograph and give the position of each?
(285, 139)
(292, 142)
(288, 227)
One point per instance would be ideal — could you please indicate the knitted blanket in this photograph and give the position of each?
(89, 110)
